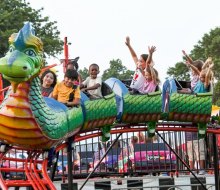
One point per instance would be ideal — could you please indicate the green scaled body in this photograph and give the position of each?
(190, 108)
(100, 112)
(142, 108)
(54, 124)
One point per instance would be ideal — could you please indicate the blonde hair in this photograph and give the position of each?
(154, 74)
(207, 70)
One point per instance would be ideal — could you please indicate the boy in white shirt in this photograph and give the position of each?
(92, 84)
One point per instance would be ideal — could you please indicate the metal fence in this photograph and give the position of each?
(168, 153)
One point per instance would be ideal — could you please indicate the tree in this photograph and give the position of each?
(14, 13)
(208, 46)
(180, 71)
(84, 73)
(216, 94)
(117, 70)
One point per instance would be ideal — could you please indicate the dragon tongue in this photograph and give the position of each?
(14, 86)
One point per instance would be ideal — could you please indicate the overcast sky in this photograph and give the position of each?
(97, 28)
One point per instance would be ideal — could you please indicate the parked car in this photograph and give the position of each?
(153, 157)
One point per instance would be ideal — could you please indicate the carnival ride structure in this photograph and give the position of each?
(30, 121)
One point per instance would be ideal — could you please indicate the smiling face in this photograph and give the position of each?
(148, 76)
(48, 80)
(202, 76)
(141, 63)
(93, 71)
(68, 82)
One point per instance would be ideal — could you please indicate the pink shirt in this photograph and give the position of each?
(149, 86)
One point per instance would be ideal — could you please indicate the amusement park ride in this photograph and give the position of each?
(31, 122)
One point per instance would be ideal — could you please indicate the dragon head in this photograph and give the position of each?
(24, 58)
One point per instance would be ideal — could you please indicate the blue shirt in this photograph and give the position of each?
(200, 87)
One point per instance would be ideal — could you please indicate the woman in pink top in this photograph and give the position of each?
(141, 63)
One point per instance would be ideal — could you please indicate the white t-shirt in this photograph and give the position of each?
(138, 80)
(91, 82)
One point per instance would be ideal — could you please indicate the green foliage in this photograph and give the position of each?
(208, 46)
(216, 94)
(14, 13)
(180, 71)
(117, 70)
(84, 73)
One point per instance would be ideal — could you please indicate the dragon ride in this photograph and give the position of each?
(29, 120)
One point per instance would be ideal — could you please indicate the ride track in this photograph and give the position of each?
(34, 123)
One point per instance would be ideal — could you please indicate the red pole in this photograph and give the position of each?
(66, 55)
(1, 87)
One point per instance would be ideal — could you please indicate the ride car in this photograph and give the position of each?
(150, 157)
(153, 156)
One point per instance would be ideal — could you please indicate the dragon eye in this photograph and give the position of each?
(30, 52)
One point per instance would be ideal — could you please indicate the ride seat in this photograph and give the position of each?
(105, 89)
(185, 84)
(157, 88)
(127, 82)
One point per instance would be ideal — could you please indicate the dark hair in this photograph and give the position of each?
(74, 63)
(94, 64)
(144, 56)
(134, 139)
(198, 64)
(71, 74)
(54, 76)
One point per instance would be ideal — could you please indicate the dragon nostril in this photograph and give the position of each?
(25, 67)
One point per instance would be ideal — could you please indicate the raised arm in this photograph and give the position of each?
(149, 60)
(95, 86)
(209, 75)
(133, 54)
(189, 59)
(207, 63)
(84, 86)
(197, 72)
